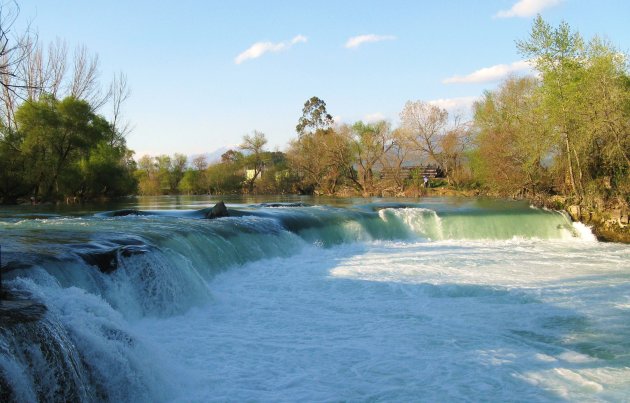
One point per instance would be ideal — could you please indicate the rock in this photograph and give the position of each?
(574, 212)
(18, 308)
(125, 212)
(219, 210)
(276, 205)
(612, 233)
(106, 261)
(131, 250)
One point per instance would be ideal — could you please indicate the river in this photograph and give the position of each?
(304, 299)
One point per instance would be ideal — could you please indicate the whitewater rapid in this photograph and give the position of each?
(376, 303)
(390, 321)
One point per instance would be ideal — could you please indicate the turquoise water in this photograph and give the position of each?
(433, 299)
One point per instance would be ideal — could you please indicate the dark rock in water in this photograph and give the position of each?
(275, 205)
(15, 265)
(17, 308)
(12, 312)
(219, 210)
(131, 250)
(125, 212)
(106, 261)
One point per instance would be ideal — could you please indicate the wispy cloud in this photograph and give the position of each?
(489, 74)
(374, 117)
(357, 41)
(526, 8)
(260, 48)
(461, 104)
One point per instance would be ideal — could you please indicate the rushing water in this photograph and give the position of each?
(314, 300)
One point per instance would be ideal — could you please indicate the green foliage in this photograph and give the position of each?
(569, 131)
(314, 117)
(226, 178)
(62, 149)
(511, 141)
(254, 162)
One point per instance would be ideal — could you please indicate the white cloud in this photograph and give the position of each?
(356, 41)
(373, 117)
(461, 104)
(260, 48)
(490, 74)
(526, 8)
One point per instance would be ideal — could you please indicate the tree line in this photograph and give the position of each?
(562, 131)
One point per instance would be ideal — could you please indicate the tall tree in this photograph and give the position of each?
(512, 141)
(558, 54)
(425, 125)
(254, 145)
(370, 143)
(314, 117)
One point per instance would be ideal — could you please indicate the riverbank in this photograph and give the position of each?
(609, 220)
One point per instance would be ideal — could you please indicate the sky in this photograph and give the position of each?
(205, 73)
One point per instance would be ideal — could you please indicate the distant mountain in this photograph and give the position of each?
(213, 157)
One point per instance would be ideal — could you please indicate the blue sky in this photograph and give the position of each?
(204, 73)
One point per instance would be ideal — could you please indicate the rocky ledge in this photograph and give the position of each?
(16, 307)
(608, 224)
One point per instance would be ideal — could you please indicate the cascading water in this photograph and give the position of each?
(167, 305)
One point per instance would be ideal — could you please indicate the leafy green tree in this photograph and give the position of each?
(314, 117)
(370, 142)
(559, 56)
(584, 96)
(512, 142)
(231, 156)
(147, 176)
(106, 172)
(56, 134)
(605, 128)
(195, 180)
(225, 178)
(254, 161)
(14, 182)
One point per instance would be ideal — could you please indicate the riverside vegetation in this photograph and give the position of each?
(559, 138)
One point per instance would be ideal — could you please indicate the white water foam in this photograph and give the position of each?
(585, 232)
(398, 321)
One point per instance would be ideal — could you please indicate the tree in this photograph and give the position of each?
(425, 125)
(314, 117)
(147, 176)
(584, 96)
(558, 55)
(323, 160)
(606, 120)
(321, 156)
(454, 146)
(176, 171)
(55, 134)
(50, 133)
(512, 141)
(254, 162)
(399, 155)
(231, 156)
(370, 143)
(13, 52)
(225, 178)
